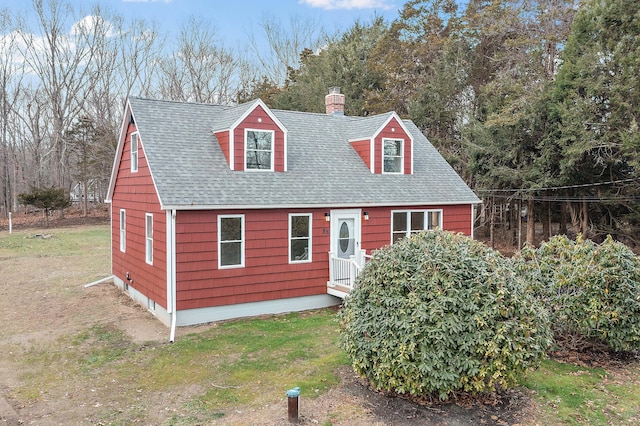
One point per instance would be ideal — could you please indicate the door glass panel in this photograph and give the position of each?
(346, 242)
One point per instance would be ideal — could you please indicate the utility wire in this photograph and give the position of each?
(555, 188)
(622, 198)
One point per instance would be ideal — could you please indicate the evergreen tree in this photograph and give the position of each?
(47, 199)
(596, 114)
(344, 63)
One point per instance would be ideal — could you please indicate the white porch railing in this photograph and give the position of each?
(343, 272)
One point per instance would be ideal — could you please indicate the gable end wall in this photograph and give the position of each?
(136, 193)
(393, 130)
(260, 120)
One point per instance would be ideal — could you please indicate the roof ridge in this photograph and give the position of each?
(322, 114)
(173, 101)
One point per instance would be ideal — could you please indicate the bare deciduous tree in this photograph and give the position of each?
(10, 84)
(284, 45)
(60, 58)
(199, 70)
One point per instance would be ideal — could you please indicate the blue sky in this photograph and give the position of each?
(234, 19)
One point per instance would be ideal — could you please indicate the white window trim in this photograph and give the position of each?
(273, 149)
(426, 220)
(441, 215)
(123, 230)
(135, 153)
(242, 241)
(310, 238)
(401, 156)
(148, 234)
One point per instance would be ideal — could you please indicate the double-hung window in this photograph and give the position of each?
(134, 152)
(259, 150)
(405, 223)
(230, 241)
(123, 230)
(392, 155)
(299, 238)
(149, 238)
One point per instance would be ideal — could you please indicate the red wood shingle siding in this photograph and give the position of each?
(393, 130)
(267, 274)
(136, 193)
(265, 123)
(363, 148)
(223, 140)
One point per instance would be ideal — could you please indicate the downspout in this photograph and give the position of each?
(473, 220)
(171, 271)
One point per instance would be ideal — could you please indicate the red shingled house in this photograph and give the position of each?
(229, 211)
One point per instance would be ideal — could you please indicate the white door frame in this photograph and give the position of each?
(336, 216)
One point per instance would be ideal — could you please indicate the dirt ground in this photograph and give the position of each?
(47, 302)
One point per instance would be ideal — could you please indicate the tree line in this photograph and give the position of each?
(534, 102)
(66, 72)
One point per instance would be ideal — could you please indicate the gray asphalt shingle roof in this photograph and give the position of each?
(190, 170)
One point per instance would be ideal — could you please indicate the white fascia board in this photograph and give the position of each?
(399, 120)
(313, 206)
(121, 141)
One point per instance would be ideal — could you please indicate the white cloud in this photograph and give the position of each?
(348, 4)
(89, 23)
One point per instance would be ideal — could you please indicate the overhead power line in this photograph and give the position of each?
(556, 188)
(609, 198)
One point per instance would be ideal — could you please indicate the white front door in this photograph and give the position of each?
(345, 233)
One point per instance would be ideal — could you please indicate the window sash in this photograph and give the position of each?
(230, 241)
(134, 152)
(407, 222)
(149, 238)
(300, 238)
(123, 230)
(259, 149)
(392, 155)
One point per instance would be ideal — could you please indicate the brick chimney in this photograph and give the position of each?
(334, 101)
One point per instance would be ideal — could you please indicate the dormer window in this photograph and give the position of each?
(393, 156)
(259, 150)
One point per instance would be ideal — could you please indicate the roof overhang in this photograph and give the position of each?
(126, 118)
(313, 206)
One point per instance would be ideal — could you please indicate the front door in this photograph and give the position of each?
(345, 233)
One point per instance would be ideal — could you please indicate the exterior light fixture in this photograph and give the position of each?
(327, 217)
(366, 215)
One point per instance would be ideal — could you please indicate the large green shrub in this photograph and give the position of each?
(592, 291)
(440, 313)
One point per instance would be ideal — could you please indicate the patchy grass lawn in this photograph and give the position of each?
(572, 395)
(235, 364)
(68, 356)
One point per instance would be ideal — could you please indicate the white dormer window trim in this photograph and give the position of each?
(372, 155)
(248, 152)
(135, 146)
(385, 156)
